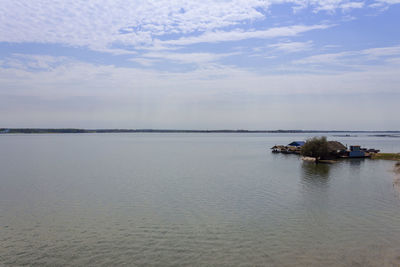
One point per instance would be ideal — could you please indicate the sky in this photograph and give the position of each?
(178, 64)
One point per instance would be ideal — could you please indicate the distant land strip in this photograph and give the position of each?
(74, 130)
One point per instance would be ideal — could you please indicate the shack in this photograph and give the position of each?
(278, 149)
(335, 150)
(356, 152)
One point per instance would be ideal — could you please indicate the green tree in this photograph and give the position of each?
(316, 147)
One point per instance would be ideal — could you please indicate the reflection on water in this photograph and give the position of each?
(317, 172)
(314, 177)
(356, 162)
(190, 199)
(396, 180)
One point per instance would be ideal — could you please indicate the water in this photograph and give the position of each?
(192, 199)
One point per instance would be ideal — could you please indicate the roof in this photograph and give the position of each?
(277, 147)
(297, 143)
(335, 145)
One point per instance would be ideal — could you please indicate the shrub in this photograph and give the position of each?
(316, 147)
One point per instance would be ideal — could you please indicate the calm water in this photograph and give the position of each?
(192, 199)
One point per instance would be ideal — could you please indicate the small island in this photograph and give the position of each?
(319, 149)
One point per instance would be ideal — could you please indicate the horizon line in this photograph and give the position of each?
(108, 130)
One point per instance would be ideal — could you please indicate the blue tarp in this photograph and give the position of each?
(297, 143)
(356, 154)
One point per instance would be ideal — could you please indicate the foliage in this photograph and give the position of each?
(387, 156)
(316, 147)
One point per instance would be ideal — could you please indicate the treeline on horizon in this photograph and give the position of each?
(75, 130)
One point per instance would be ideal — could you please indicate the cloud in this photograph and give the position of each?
(333, 5)
(183, 58)
(382, 51)
(389, 2)
(237, 35)
(352, 58)
(383, 4)
(33, 62)
(352, 5)
(292, 47)
(328, 58)
(122, 26)
(107, 25)
(163, 37)
(83, 79)
(144, 61)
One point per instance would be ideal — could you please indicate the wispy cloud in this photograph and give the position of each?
(144, 61)
(389, 2)
(349, 58)
(333, 5)
(352, 5)
(292, 47)
(185, 58)
(33, 62)
(237, 35)
(331, 58)
(381, 51)
(83, 79)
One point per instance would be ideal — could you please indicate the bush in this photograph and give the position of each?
(316, 147)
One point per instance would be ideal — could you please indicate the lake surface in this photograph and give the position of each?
(192, 199)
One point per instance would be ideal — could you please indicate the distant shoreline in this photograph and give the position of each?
(76, 130)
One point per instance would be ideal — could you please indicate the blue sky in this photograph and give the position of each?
(253, 64)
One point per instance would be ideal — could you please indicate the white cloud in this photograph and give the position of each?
(383, 4)
(185, 58)
(328, 58)
(119, 26)
(351, 5)
(292, 47)
(350, 58)
(237, 35)
(144, 61)
(390, 2)
(328, 5)
(38, 62)
(83, 79)
(109, 24)
(382, 51)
